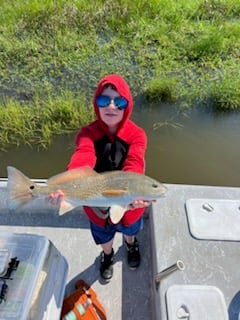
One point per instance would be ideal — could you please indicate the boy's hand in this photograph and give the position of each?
(55, 198)
(139, 204)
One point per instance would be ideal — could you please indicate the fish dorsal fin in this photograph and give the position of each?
(71, 175)
(116, 213)
(112, 192)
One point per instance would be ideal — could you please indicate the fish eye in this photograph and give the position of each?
(31, 187)
(154, 185)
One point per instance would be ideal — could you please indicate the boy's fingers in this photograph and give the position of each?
(55, 198)
(139, 204)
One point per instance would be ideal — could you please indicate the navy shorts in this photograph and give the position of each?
(104, 234)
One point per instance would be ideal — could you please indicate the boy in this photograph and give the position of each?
(113, 142)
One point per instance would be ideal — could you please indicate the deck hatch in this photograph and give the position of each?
(196, 302)
(214, 219)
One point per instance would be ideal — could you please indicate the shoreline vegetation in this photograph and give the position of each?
(53, 52)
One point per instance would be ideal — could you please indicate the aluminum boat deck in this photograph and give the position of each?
(198, 225)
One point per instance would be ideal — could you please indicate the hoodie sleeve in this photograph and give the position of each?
(137, 140)
(84, 154)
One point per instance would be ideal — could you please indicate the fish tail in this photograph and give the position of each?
(19, 188)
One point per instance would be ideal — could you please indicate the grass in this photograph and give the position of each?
(225, 93)
(161, 89)
(52, 54)
(37, 123)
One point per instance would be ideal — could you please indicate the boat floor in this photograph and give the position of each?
(127, 295)
(164, 239)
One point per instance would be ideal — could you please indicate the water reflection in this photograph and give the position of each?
(39, 163)
(204, 149)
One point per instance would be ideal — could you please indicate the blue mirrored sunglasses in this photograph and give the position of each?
(104, 101)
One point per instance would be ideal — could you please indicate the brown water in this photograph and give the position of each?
(205, 150)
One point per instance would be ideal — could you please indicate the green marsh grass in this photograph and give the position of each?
(35, 124)
(225, 93)
(52, 54)
(162, 90)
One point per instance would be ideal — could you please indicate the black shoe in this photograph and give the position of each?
(106, 268)
(133, 256)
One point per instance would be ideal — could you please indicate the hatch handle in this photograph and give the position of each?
(179, 265)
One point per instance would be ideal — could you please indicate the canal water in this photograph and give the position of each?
(199, 147)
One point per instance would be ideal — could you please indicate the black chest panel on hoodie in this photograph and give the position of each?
(110, 155)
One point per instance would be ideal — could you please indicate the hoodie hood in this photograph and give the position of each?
(123, 89)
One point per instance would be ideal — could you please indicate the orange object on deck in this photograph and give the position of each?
(83, 304)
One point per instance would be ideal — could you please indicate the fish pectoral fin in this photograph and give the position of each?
(113, 192)
(65, 207)
(116, 212)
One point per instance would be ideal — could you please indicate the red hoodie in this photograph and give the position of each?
(97, 148)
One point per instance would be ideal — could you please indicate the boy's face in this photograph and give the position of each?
(110, 114)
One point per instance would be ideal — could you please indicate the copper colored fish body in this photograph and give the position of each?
(83, 186)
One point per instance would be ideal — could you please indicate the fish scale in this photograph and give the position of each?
(83, 189)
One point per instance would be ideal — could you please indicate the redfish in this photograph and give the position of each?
(85, 187)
